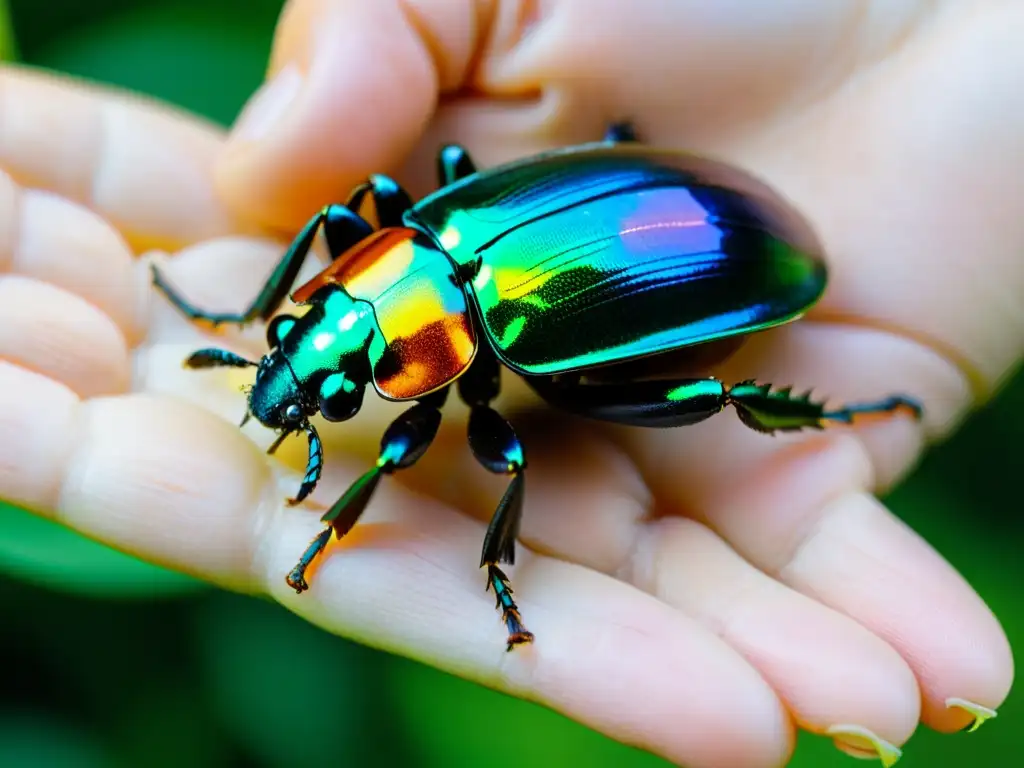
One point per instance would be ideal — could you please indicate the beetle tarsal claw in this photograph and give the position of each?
(296, 578)
(518, 634)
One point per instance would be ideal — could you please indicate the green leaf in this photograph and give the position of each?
(8, 47)
(45, 553)
(458, 723)
(31, 739)
(207, 57)
(295, 695)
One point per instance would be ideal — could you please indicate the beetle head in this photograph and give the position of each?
(276, 399)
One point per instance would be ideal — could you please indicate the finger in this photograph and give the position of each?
(141, 165)
(311, 130)
(50, 239)
(180, 488)
(55, 333)
(774, 501)
(907, 255)
(836, 677)
(69, 303)
(520, 75)
(587, 504)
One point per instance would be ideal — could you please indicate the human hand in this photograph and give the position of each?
(666, 585)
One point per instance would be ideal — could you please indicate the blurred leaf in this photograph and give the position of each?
(292, 693)
(8, 48)
(124, 668)
(207, 57)
(978, 468)
(43, 552)
(169, 718)
(36, 740)
(459, 723)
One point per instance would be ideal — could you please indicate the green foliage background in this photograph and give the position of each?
(112, 662)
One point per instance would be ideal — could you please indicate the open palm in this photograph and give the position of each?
(695, 591)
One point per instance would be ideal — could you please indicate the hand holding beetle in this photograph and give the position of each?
(705, 576)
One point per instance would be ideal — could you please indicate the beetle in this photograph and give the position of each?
(572, 268)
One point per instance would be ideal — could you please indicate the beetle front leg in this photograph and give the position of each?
(453, 163)
(342, 229)
(496, 446)
(389, 199)
(404, 442)
(314, 464)
(668, 403)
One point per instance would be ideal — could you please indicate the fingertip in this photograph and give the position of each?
(36, 415)
(976, 683)
(352, 86)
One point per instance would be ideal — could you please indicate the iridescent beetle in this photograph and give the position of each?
(567, 268)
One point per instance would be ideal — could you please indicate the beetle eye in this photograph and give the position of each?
(293, 413)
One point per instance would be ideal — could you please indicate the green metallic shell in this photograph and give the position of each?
(601, 254)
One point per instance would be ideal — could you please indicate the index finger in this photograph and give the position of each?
(142, 165)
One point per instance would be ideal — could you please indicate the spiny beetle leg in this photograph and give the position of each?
(314, 466)
(496, 446)
(668, 403)
(453, 163)
(404, 442)
(342, 229)
(766, 410)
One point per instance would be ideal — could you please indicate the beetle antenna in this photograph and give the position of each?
(278, 440)
(212, 357)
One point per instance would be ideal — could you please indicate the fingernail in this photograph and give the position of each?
(977, 711)
(859, 742)
(269, 104)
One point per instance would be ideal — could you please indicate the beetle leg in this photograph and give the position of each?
(652, 403)
(668, 403)
(621, 132)
(496, 446)
(342, 229)
(453, 163)
(404, 442)
(765, 410)
(390, 201)
(314, 464)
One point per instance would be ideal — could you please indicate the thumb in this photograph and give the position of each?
(356, 88)
(349, 85)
